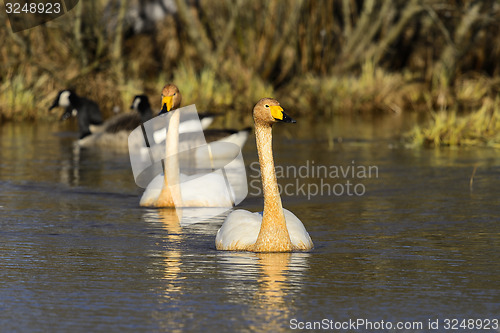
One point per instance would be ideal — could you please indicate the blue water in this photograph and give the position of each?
(78, 253)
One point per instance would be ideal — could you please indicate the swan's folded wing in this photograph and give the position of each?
(152, 192)
(208, 190)
(239, 231)
(298, 234)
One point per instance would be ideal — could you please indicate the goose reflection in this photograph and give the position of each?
(79, 167)
(70, 169)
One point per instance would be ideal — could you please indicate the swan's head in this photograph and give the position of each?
(269, 111)
(62, 99)
(140, 104)
(170, 98)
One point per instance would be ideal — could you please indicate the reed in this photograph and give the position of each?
(449, 128)
(324, 57)
(373, 90)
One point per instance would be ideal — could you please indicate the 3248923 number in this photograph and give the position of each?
(471, 324)
(33, 8)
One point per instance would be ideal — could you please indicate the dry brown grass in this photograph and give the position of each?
(316, 56)
(449, 128)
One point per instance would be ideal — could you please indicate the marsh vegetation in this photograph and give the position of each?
(319, 58)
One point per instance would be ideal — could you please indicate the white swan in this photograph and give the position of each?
(275, 229)
(175, 189)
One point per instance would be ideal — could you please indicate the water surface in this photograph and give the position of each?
(78, 253)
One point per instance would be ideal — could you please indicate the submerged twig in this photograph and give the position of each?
(471, 182)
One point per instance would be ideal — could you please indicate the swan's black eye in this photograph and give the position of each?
(267, 106)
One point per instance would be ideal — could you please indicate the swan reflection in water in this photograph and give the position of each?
(167, 262)
(266, 282)
(170, 239)
(171, 264)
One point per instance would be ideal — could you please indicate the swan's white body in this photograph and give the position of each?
(209, 190)
(243, 227)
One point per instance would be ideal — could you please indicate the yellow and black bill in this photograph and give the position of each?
(166, 104)
(280, 115)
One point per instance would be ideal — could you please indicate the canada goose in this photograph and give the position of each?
(130, 120)
(86, 110)
(115, 131)
(275, 229)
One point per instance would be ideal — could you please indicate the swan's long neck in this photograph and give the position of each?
(170, 195)
(273, 235)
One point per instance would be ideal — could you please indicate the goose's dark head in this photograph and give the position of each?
(141, 104)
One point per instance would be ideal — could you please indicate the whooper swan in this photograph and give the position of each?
(173, 189)
(275, 229)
